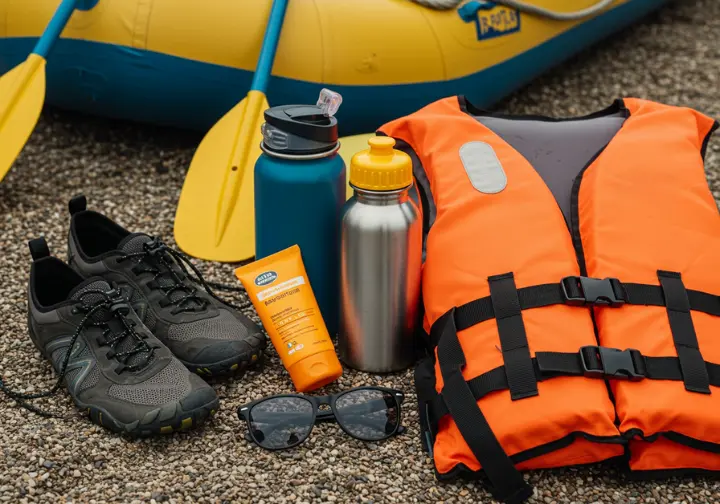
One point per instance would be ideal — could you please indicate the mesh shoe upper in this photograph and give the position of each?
(115, 364)
(170, 384)
(199, 329)
(223, 327)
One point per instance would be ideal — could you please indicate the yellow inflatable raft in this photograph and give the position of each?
(187, 62)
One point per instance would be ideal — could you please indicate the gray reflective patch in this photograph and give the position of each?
(483, 167)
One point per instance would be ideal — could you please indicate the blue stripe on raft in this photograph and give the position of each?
(126, 83)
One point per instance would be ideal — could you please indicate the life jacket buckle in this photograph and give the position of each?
(603, 362)
(581, 291)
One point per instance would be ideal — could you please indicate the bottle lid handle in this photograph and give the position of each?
(329, 102)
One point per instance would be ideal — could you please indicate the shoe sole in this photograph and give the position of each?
(232, 366)
(180, 421)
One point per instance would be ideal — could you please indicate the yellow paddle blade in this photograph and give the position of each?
(22, 94)
(215, 219)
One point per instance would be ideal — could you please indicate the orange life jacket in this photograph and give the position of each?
(559, 254)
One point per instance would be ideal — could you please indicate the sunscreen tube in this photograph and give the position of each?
(279, 289)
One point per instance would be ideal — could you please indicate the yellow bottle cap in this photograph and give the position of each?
(315, 371)
(381, 168)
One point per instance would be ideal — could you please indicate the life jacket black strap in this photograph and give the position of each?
(653, 295)
(677, 302)
(578, 291)
(590, 361)
(481, 309)
(506, 482)
(513, 338)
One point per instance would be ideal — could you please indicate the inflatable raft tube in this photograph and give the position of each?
(185, 63)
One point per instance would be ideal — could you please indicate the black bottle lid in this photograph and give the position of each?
(299, 129)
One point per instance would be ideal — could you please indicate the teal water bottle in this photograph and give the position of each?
(300, 189)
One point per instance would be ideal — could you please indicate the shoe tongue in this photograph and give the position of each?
(133, 243)
(93, 283)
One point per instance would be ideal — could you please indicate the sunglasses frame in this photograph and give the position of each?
(398, 396)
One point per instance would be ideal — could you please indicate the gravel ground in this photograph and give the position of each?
(672, 57)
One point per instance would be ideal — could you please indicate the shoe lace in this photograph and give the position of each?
(115, 307)
(158, 258)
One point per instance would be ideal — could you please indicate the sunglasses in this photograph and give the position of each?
(284, 421)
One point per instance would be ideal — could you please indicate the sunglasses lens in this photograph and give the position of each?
(368, 414)
(281, 422)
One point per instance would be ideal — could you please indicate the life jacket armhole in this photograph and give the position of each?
(706, 140)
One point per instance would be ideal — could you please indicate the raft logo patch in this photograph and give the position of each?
(483, 167)
(492, 20)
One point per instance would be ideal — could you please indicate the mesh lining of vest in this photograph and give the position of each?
(170, 384)
(557, 150)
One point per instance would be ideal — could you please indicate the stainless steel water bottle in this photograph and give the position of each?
(381, 261)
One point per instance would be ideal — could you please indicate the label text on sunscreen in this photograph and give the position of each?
(281, 287)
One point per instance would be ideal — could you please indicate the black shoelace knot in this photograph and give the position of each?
(159, 259)
(99, 313)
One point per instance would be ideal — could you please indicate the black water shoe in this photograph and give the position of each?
(113, 366)
(207, 334)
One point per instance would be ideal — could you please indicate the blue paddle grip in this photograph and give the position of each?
(55, 27)
(269, 46)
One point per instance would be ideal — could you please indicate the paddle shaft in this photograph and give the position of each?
(229, 151)
(269, 46)
(55, 27)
